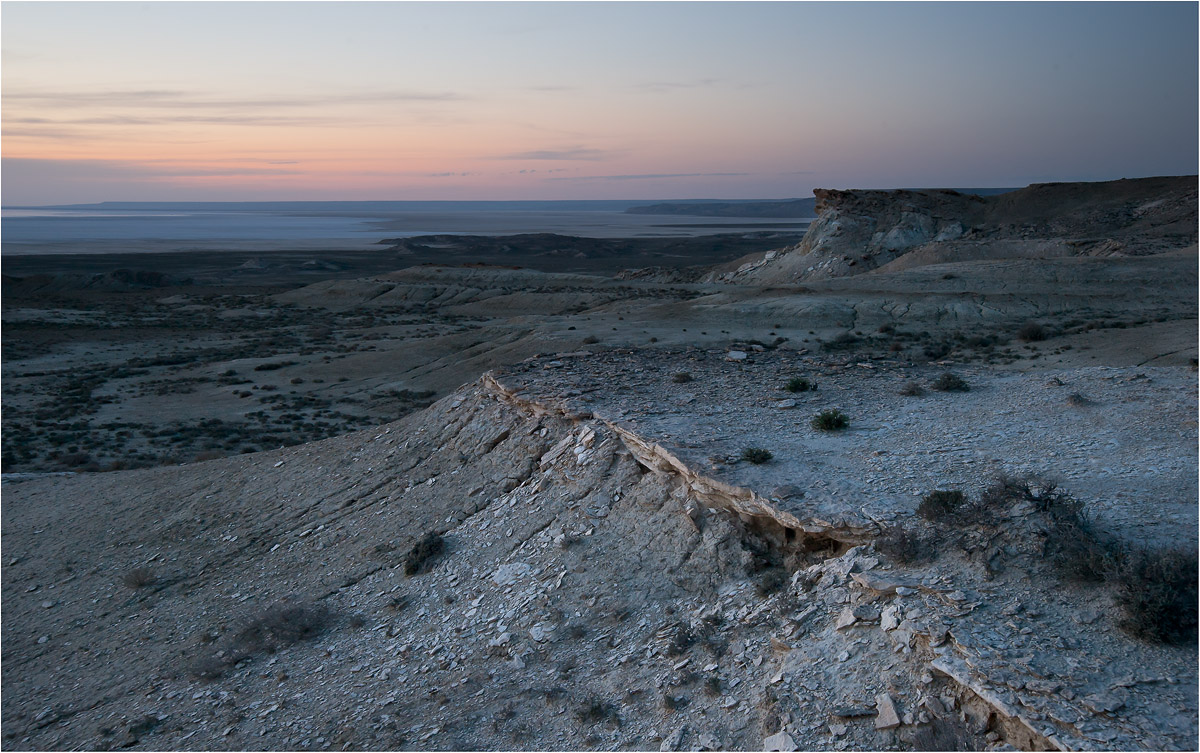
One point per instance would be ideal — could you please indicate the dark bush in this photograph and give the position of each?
(273, 366)
(430, 545)
(712, 686)
(912, 389)
(1156, 592)
(799, 384)
(756, 455)
(830, 420)
(949, 382)
(681, 377)
(591, 340)
(595, 711)
(682, 639)
(1031, 332)
(903, 545)
(941, 504)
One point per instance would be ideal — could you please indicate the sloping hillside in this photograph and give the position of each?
(505, 571)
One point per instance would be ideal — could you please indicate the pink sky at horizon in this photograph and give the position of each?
(409, 101)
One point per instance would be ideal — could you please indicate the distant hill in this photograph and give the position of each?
(787, 208)
(784, 208)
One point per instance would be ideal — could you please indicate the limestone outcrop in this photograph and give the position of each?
(863, 230)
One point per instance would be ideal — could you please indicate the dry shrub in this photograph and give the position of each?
(756, 455)
(1156, 592)
(947, 733)
(594, 711)
(1031, 332)
(949, 382)
(139, 577)
(429, 546)
(941, 504)
(912, 389)
(904, 545)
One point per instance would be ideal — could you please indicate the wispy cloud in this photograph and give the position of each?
(659, 87)
(450, 175)
(146, 120)
(583, 153)
(103, 170)
(182, 99)
(652, 176)
(552, 88)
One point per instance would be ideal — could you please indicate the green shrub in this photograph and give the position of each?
(756, 455)
(799, 384)
(949, 382)
(830, 420)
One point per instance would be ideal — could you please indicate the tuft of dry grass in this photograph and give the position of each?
(139, 577)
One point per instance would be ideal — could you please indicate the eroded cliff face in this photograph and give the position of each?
(862, 230)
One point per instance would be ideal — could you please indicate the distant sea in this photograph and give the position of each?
(184, 226)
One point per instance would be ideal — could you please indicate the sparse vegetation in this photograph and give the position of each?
(274, 365)
(591, 340)
(941, 504)
(799, 384)
(830, 420)
(950, 382)
(139, 577)
(756, 455)
(682, 638)
(771, 581)
(1156, 593)
(912, 389)
(681, 377)
(429, 546)
(904, 545)
(595, 711)
(1032, 332)
(271, 630)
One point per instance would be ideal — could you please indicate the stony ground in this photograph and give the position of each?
(573, 550)
(587, 595)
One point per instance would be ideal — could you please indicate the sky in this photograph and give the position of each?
(210, 101)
